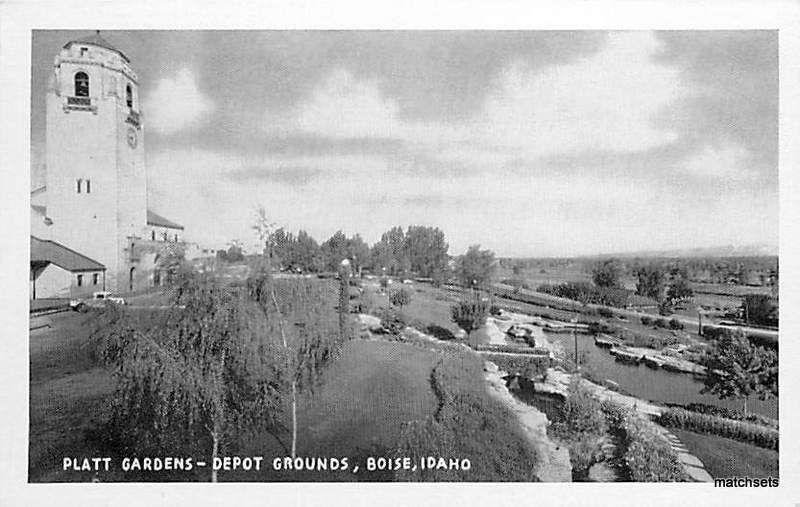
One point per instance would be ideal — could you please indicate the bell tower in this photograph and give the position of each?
(96, 176)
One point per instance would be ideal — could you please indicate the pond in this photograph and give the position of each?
(641, 381)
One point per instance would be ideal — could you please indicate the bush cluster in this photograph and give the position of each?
(675, 324)
(581, 425)
(714, 425)
(646, 320)
(647, 455)
(532, 367)
(392, 320)
(653, 342)
(605, 312)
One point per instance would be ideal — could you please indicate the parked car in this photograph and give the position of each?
(98, 300)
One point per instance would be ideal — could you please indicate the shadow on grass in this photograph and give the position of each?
(440, 332)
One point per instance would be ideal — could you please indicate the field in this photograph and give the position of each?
(724, 457)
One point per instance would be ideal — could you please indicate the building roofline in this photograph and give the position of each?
(102, 266)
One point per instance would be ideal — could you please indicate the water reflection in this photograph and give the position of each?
(650, 384)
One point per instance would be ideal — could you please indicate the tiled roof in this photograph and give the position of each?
(66, 258)
(96, 40)
(154, 218)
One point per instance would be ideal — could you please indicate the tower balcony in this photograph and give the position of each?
(80, 104)
(134, 118)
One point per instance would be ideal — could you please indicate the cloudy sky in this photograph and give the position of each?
(530, 143)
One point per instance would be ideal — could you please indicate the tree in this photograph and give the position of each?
(679, 290)
(737, 369)
(307, 253)
(264, 229)
(650, 282)
(470, 313)
(426, 250)
(759, 309)
(607, 273)
(390, 253)
(334, 250)
(476, 267)
(235, 252)
(205, 374)
(400, 297)
(358, 252)
(314, 338)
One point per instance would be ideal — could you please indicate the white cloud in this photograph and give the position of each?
(722, 163)
(346, 107)
(605, 101)
(176, 103)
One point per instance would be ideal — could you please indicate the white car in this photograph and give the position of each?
(98, 300)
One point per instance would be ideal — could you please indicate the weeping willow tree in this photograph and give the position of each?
(196, 377)
(310, 332)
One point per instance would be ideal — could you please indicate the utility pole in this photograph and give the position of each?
(575, 339)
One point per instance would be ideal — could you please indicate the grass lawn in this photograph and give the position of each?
(365, 396)
(66, 393)
(724, 457)
(429, 311)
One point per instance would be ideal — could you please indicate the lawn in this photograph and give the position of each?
(724, 457)
(66, 394)
(365, 396)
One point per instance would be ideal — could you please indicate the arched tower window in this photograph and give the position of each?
(129, 95)
(81, 84)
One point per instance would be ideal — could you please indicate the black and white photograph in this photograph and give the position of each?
(389, 254)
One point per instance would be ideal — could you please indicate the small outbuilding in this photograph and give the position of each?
(60, 272)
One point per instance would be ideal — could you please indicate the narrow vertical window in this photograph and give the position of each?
(81, 84)
(129, 96)
(78, 181)
(153, 235)
(94, 279)
(88, 186)
(176, 238)
(84, 51)
(165, 235)
(80, 280)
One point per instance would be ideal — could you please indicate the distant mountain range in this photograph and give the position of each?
(756, 250)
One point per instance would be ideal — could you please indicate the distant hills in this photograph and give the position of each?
(755, 250)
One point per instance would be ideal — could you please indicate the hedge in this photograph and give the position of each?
(646, 453)
(761, 436)
(527, 366)
(515, 349)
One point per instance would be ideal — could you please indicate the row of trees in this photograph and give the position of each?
(419, 250)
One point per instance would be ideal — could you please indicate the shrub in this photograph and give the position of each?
(470, 313)
(675, 324)
(727, 413)
(400, 297)
(531, 367)
(581, 414)
(648, 457)
(392, 320)
(605, 312)
(662, 323)
(737, 430)
(646, 320)
(581, 424)
(494, 310)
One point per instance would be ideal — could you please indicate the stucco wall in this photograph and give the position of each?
(55, 282)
